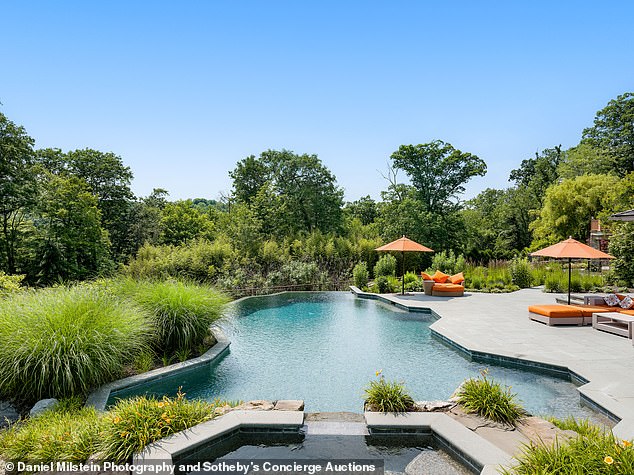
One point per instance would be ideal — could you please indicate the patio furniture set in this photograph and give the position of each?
(612, 314)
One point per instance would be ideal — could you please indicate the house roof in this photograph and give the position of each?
(623, 216)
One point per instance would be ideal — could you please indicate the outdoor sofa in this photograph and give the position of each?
(575, 314)
(443, 285)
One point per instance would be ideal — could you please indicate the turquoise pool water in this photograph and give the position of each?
(325, 347)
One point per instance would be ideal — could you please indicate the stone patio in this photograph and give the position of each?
(499, 324)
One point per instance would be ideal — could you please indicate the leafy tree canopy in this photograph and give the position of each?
(613, 132)
(438, 172)
(299, 188)
(570, 205)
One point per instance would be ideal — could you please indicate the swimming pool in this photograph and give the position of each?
(325, 347)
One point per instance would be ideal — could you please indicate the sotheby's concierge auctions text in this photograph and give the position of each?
(219, 467)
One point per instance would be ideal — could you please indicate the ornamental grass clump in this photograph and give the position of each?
(64, 341)
(134, 423)
(594, 451)
(181, 312)
(489, 399)
(387, 396)
(67, 433)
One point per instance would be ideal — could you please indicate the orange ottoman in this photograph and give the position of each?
(447, 290)
(556, 314)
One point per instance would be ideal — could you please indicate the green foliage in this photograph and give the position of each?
(554, 283)
(382, 284)
(181, 312)
(71, 241)
(361, 275)
(294, 192)
(199, 260)
(622, 247)
(521, 273)
(613, 132)
(487, 398)
(182, 222)
(448, 262)
(569, 206)
(385, 266)
(62, 341)
(437, 171)
(594, 452)
(10, 283)
(66, 433)
(134, 423)
(294, 273)
(581, 426)
(387, 396)
(17, 189)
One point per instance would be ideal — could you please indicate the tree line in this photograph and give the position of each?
(71, 215)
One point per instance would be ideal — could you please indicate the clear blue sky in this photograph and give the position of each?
(182, 90)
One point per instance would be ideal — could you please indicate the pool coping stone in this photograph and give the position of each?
(472, 450)
(99, 398)
(178, 444)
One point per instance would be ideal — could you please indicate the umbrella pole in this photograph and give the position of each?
(403, 274)
(569, 277)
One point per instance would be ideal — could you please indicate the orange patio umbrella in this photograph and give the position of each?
(571, 249)
(404, 245)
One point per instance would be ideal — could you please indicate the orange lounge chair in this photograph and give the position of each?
(447, 290)
(556, 314)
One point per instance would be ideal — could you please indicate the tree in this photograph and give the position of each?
(613, 132)
(297, 189)
(438, 172)
(537, 174)
(497, 224)
(17, 186)
(249, 177)
(569, 206)
(109, 180)
(71, 243)
(145, 223)
(585, 159)
(364, 209)
(181, 222)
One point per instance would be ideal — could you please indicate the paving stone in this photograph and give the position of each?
(289, 405)
(257, 405)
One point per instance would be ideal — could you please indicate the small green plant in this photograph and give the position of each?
(183, 354)
(144, 361)
(361, 275)
(64, 341)
(10, 283)
(67, 433)
(581, 426)
(593, 452)
(489, 399)
(382, 284)
(134, 423)
(387, 396)
(385, 266)
(521, 273)
(553, 284)
(166, 359)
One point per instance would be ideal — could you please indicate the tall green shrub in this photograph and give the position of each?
(361, 275)
(181, 312)
(521, 273)
(64, 341)
(385, 266)
(622, 247)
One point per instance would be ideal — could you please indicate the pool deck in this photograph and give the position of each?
(498, 324)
